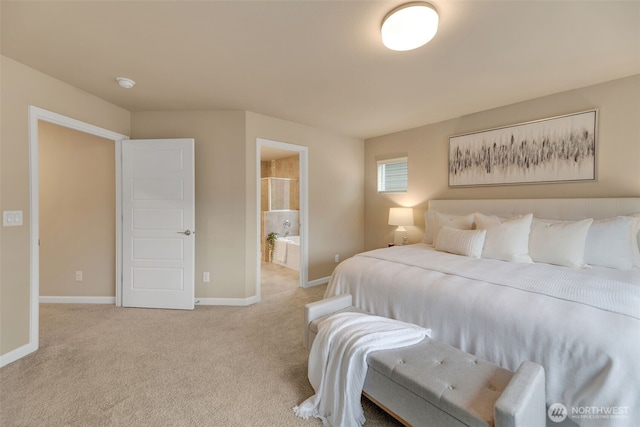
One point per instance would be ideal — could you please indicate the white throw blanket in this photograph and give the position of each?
(338, 363)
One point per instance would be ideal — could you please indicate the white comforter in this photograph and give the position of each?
(338, 363)
(582, 328)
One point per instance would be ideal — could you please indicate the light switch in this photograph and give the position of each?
(11, 218)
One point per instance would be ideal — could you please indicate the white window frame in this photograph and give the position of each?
(393, 181)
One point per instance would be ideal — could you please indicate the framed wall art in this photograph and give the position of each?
(557, 149)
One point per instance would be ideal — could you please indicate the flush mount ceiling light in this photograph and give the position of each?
(125, 82)
(409, 26)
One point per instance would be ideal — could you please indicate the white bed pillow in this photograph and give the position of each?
(461, 242)
(613, 243)
(434, 220)
(559, 242)
(460, 222)
(507, 238)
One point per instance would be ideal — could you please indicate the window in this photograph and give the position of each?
(393, 175)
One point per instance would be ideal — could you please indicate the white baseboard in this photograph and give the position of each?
(227, 301)
(320, 281)
(112, 300)
(16, 354)
(77, 300)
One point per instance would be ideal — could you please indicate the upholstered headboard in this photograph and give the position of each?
(563, 209)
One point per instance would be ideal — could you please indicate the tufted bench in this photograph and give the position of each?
(434, 384)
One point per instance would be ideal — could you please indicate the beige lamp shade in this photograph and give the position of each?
(401, 217)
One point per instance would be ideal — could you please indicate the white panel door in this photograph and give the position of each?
(158, 221)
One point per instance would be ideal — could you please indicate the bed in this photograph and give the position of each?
(581, 322)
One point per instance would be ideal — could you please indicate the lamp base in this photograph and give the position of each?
(400, 237)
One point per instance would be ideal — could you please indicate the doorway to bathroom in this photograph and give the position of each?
(282, 202)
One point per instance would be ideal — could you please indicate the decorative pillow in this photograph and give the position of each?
(462, 242)
(559, 242)
(612, 243)
(435, 220)
(461, 222)
(507, 238)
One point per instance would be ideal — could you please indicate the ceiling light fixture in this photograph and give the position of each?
(125, 82)
(409, 26)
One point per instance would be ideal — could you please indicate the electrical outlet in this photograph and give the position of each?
(206, 277)
(79, 276)
(336, 258)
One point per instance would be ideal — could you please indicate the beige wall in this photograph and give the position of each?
(220, 188)
(618, 155)
(23, 86)
(336, 202)
(226, 185)
(77, 212)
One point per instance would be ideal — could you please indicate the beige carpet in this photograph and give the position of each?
(99, 365)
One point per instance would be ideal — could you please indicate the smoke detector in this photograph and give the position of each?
(125, 82)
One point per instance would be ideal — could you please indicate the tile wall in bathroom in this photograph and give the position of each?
(274, 221)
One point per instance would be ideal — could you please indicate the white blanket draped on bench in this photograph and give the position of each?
(338, 363)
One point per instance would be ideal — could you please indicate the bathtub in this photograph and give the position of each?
(287, 252)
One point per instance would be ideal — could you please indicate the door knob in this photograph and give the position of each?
(186, 232)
